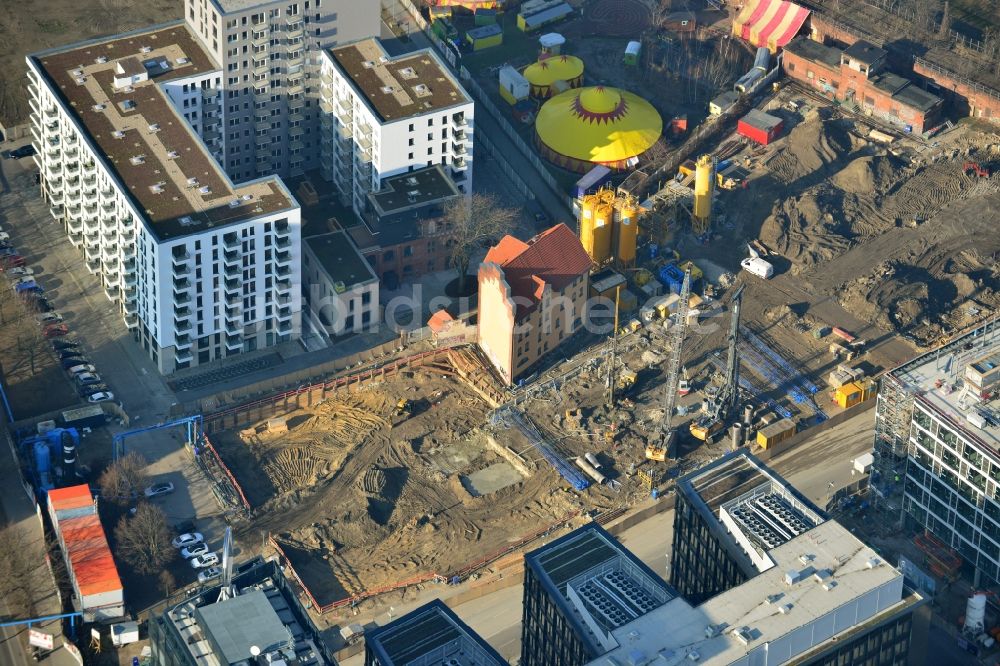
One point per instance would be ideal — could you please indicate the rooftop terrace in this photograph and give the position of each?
(825, 583)
(399, 87)
(937, 380)
(159, 161)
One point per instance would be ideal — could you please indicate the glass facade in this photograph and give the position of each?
(953, 490)
(700, 567)
(547, 637)
(885, 645)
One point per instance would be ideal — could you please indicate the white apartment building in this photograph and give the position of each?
(381, 116)
(197, 267)
(270, 55)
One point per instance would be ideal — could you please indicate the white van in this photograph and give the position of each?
(758, 267)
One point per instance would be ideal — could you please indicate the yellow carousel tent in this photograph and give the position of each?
(580, 128)
(552, 69)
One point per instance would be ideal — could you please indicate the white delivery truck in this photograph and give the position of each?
(758, 267)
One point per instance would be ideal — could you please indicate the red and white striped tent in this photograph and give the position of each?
(770, 23)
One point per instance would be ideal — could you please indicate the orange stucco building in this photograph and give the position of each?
(532, 296)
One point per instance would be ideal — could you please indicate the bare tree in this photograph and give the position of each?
(945, 20)
(924, 13)
(24, 580)
(143, 539)
(167, 583)
(123, 480)
(31, 345)
(474, 222)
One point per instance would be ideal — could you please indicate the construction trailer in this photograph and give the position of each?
(776, 433)
(632, 51)
(759, 127)
(853, 393)
(536, 14)
(97, 588)
(723, 103)
(484, 37)
(513, 86)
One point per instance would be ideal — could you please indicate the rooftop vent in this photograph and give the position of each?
(186, 221)
(693, 655)
(246, 197)
(713, 630)
(387, 90)
(771, 598)
(785, 609)
(205, 189)
(873, 562)
(744, 635)
(127, 104)
(805, 558)
(383, 59)
(172, 154)
(192, 182)
(412, 181)
(118, 134)
(182, 61)
(98, 107)
(78, 72)
(792, 576)
(368, 64)
(412, 195)
(100, 60)
(145, 49)
(154, 127)
(80, 80)
(829, 585)
(157, 188)
(408, 73)
(421, 90)
(136, 160)
(822, 575)
(234, 203)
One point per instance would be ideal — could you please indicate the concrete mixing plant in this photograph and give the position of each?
(609, 227)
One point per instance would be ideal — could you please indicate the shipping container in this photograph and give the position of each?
(485, 37)
(592, 180)
(91, 416)
(853, 393)
(775, 433)
(723, 103)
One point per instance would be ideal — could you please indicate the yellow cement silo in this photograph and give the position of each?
(604, 219)
(587, 205)
(704, 187)
(627, 229)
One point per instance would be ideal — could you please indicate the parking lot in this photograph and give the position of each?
(138, 387)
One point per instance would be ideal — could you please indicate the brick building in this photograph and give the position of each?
(858, 76)
(402, 233)
(532, 296)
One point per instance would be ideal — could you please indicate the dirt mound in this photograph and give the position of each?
(815, 143)
(865, 175)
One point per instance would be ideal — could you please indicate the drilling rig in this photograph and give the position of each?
(660, 449)
(718, 407)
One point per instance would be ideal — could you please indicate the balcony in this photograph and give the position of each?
(231, 242)
(129, 306)
(180, 259)
(183, 355)
(282, 286)
(283, 256)
(231, 286)
(260, 39)
(459, 120)
(129, 278)
(283, 242)
(234, 342)
(183, 341)
(181, 285)
(50, 113)
(283, 270)
(458, 162)
(75, 226)
(458, 148)
(234, 313)
(284, 327)
(182, 325)
(284, 314)
(182, 298)
(231, 258)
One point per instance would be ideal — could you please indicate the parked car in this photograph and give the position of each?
(41, 304)
(23, 151)
(70, 352)
(4, 236)
(65, 344)
(158, 489)
(81, 368)
(18, 272)
(208, 574)
(88, 378)
(187, 539)
(8, 251)
(203, 561)
(55, 330)
(194, 550)
(101, 396)
(91, 389)
(49, 318)
(72, 361)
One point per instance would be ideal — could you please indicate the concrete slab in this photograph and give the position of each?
(491, 479)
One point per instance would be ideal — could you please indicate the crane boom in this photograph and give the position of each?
(673, 370)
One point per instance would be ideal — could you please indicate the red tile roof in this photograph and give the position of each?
(439, 320)
(554, 257)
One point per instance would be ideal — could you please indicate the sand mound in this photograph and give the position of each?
(865, 175)
(817, 142)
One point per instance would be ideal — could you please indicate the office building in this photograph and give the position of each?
(197, 267)
(382, 116)
(810, 593)
(432, 634)
(261, 623)
(403, 233)
(269, 62)
(728, 516)
(532, 296)
(577, 591)
(341, 289)
(937, 437)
